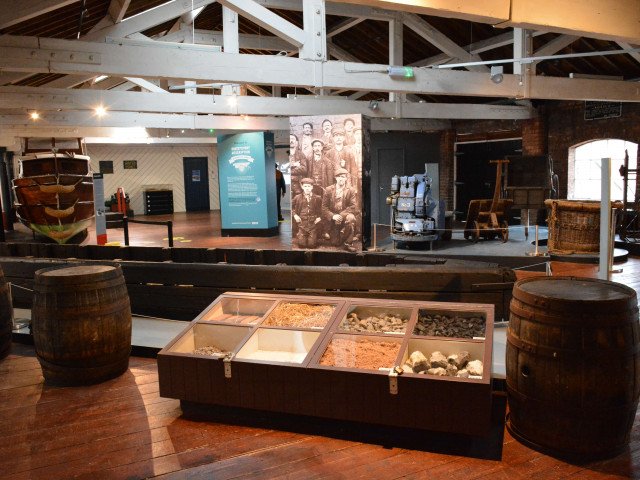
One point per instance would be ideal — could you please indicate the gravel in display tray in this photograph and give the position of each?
(450, 324)
(361, 353)
(211, 350)
(299, 315)
(376, 320)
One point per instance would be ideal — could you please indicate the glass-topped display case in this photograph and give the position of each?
(316, 355)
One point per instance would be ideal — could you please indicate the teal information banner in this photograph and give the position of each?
(246, 173)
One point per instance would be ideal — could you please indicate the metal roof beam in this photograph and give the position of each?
(215, 37)
(628, 46)
(340, 9)
(147, 19)
(266, 19)
(474, 48)
(344, 26)
(440, 41)
(197, 62)
(554, 46)
(118, 9)
(146, 84)
(45, 99)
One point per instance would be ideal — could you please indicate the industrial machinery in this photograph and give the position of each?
(415, 215)
(629, 226)
(487, 218)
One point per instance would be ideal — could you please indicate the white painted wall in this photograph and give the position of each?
(157, 164)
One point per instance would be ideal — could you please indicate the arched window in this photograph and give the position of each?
(584, 169)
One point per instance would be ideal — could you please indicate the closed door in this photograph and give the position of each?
(196, 183)
(390, 163)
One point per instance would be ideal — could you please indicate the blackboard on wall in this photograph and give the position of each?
(599, 110)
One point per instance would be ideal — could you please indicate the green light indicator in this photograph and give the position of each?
(211, 130)
(400, 72)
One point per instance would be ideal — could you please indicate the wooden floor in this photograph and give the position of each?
(123, 429)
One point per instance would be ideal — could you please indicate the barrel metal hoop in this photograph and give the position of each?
(559, 353)
(569, 409)
(555, 319)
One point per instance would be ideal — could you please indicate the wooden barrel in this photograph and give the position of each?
(573, 368)
(6, 317)
(81, 320)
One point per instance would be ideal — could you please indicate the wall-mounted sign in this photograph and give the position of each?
(106, 166)
(130, 164)
(599, 110)
(195, 175)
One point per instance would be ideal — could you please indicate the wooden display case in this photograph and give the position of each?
(349, 363)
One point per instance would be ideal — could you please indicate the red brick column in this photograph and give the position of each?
(447, 143)
(534, 137)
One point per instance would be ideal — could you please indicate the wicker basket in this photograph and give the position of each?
(574, 226)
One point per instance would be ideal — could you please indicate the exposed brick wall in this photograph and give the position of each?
(558, 127)
(447, 140)
(567, 127)
(534, 137)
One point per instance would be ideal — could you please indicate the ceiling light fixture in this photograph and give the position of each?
(100, 111)
(374, 105)
(497, 74)
(34, 115)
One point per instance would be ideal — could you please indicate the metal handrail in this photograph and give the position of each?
(126, 221)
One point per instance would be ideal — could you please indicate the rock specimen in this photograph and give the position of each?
(438, 360)
(458, 325)
(381, 323)
(418, 362)
(455, 365)
(475, 368)
(459, 360)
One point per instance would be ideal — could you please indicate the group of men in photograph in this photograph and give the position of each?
(325, 185)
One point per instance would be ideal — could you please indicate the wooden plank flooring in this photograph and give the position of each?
(123, 429)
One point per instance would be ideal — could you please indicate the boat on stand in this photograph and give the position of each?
(54, 191)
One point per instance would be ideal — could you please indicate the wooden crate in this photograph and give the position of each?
(301, 384)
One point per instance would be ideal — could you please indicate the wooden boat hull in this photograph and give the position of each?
(45, 190)
(54, 194)
(59, 223)
(54, 164)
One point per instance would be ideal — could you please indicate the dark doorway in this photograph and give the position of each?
(397, 153)
(475, 175)
(390, 162)
(196, 183)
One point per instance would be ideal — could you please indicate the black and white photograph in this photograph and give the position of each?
(325, 169)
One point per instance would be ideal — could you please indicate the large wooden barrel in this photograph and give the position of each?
(81, 320)
(6, 317)
(573, 367)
